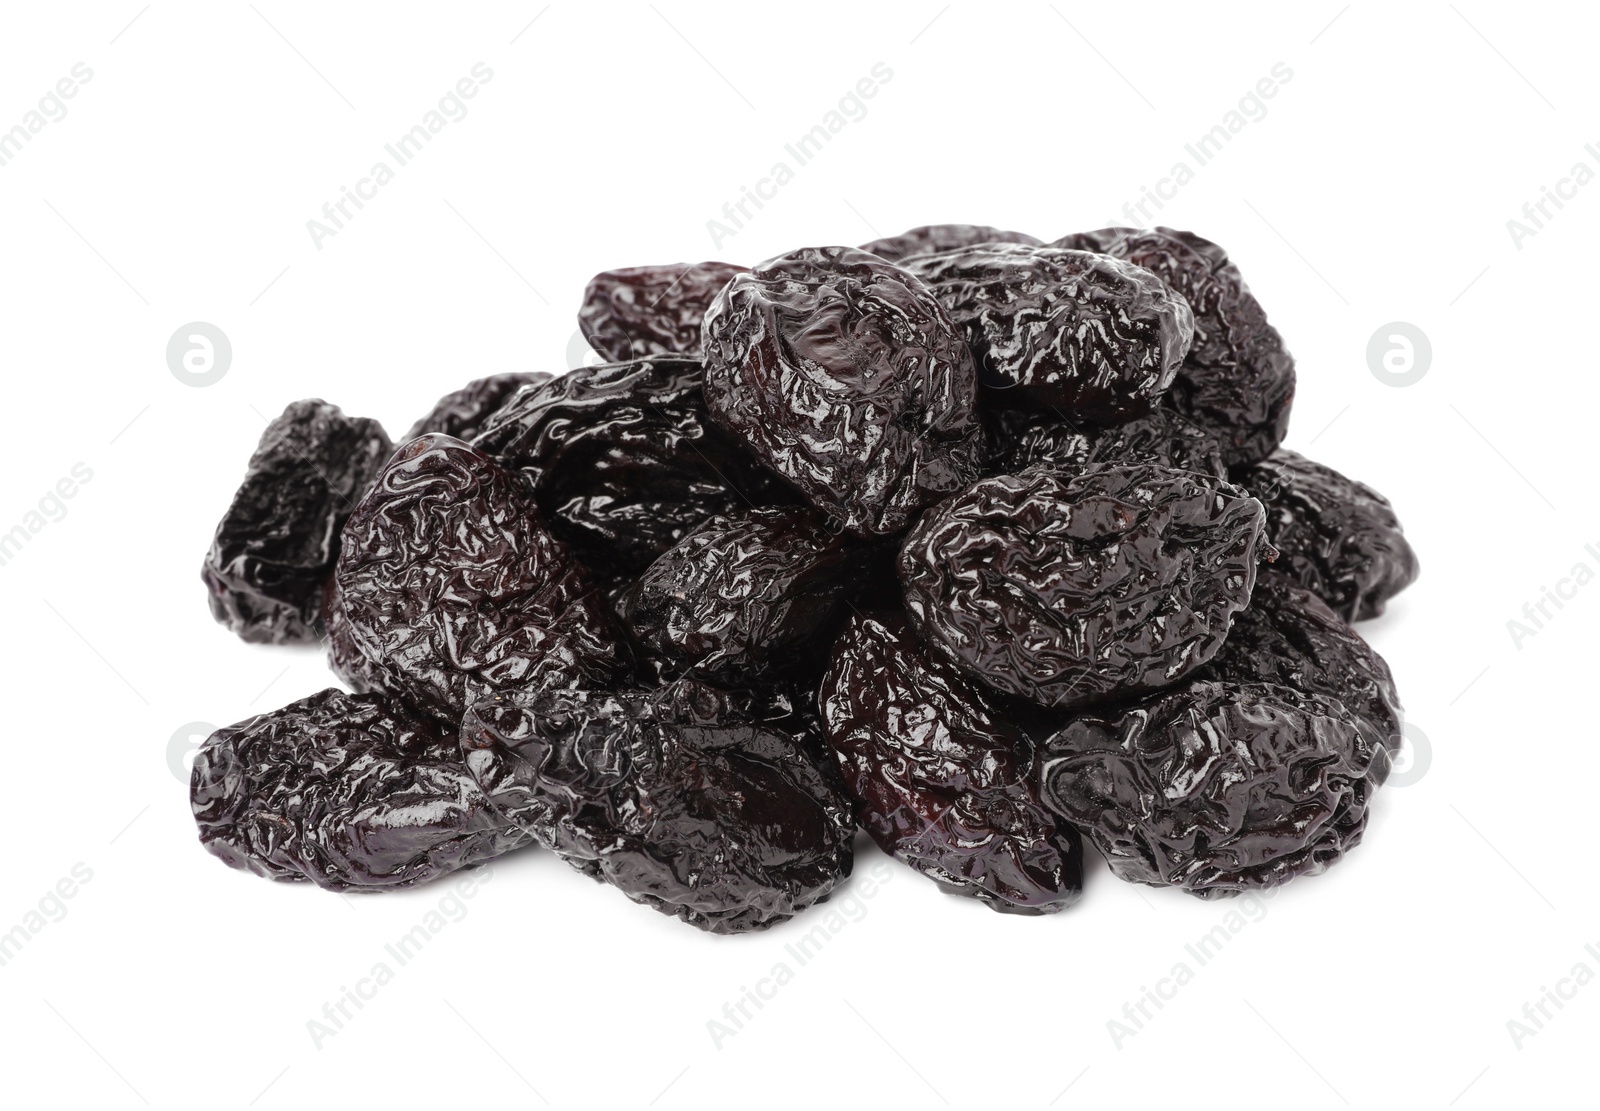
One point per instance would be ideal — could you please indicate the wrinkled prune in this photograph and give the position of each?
(624, 460)
(454, 590)
(1237, 378)
(1336, 537)
(668, 795)
(1289, 637)
(1068, 590)
(1096, 337)
(344, 790)
(1217, 788)
(1019, 439)
(462, 413)
(944, 782)
(743, 598)
(929, 238)
(645, 311)
(278, 540)
(845, 376)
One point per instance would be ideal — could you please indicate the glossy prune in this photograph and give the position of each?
(454, 590)
(1067, 590)
(927, 239)
(462, 413)
(1217, 788)
(1019, 439)
(845, 376)
(278, 540)
(644, 311)
(348, 791)
(1098, 338)
(624, 461)
(671, 796)
(746, 597)
(1336, 537)
(943, 780)
(1237, 379)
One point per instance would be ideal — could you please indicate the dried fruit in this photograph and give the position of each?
(345, 658)
(1336, 537)
(747, 597)
(668, 795)
(845, 376)
(1019, 439)
(624, 461)
(1237, 379)
(453, 589)
(278, 541)
(347, 791)
(462, 413)
(1217, 788)
(943, 779)
(942, 237)
(1095, 337)
(645, 311)
(1068, 590)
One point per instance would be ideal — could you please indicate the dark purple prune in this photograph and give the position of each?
(747, 597)
(929, 238)
(1289, 637)
(1067, 590)
(278, 541)
(1020, 439)
(844, 375)
(624, 460)
(462, 413)
(348, 791)
(645, 311)
(1217, 788)
(1095, 337)
(454, 590)
(1338, 538)
(944, 781)
(1237, 379)
(345, 658)
(671, 795)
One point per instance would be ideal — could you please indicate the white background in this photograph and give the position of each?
(1376, 188)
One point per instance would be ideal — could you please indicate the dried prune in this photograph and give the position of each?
(944, 781)
(345, 657)
(743, 598)
(669, 795)
(624, 460)
(277, 543)
(1019, 439)
(453, 589)
(644, 311)
(1096, 337)
(1067, 590)
(845, 376)
(1289, 637)
(1217, 788)
(347, 791)
(1237, 379)
(942, 237)
(1338, 538)
(462, 413)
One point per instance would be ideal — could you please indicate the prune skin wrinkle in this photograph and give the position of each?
(1067, 590)
(942, 237)
(349, 791)
(676, 797)
(453, 589)
(843, 374)
(1237, 379)
(643, 311)
(1019, 439)
(624, 461)
(1338, 538)
(1217, 788)
(278, 540)
(462, 413)
(1096, 338)
(942, 779)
